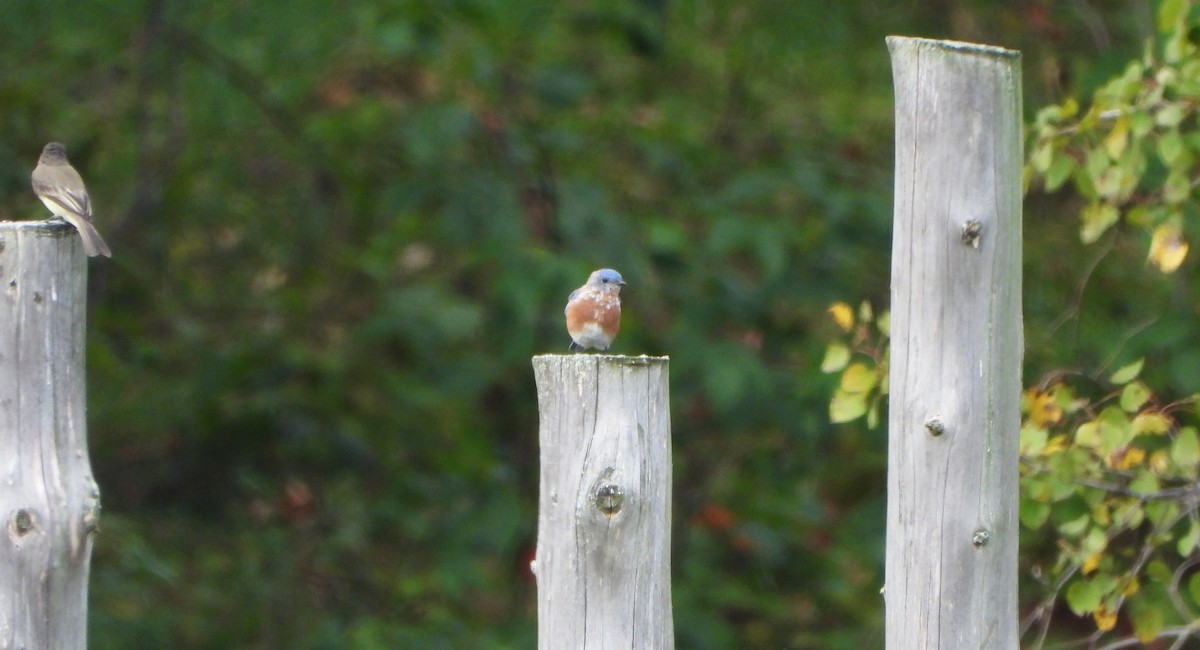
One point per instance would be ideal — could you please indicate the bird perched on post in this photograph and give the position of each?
(61, 189)
(594, 311)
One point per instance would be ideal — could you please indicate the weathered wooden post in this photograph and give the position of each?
(603, 561)
(951, 570)
(49, 502)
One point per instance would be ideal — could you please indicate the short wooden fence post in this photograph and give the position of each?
(603, 561)
(49, 503)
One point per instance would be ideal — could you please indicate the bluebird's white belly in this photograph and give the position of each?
(593, 336)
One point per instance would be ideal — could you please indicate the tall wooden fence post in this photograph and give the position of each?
(603, 562)
(48, 500)
(951, 569)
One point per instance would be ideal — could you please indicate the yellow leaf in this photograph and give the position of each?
(1056, 444)
(1128, 458)
(1159, 461)
(1167, 247)
(1091, 563)
(858, 378)
(1118, 138)
(1131, 587)
(1105, 620)
(847, 406)
(1155, 423)
(1044, 409)
(842, 315)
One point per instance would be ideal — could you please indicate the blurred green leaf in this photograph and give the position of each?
(1170, 147)
(837, 356)
(1147, 623)
(847, 407)
(1097, 219)
(1185, 450)
(1133, 396)
(1127, 373)
(1083, 596)
(1171, 13)
(1034, 513)
(1033, 440)
(1170, 114)
(1187, 542)
(1060, 170)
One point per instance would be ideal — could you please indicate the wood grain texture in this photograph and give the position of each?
(49, 502)
(603, 561)
(951, 567)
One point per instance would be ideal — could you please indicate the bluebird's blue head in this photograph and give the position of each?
(606, 278)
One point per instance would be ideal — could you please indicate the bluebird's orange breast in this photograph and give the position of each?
(593, 318)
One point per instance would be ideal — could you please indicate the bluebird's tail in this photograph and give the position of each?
(574, 347)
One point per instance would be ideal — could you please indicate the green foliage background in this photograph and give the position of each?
(341, 230)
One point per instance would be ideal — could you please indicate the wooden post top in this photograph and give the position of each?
(958, 46)
(640, 360)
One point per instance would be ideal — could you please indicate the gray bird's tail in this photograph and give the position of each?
(93, 243)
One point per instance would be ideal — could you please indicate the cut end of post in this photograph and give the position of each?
(51, 229)
(989, 51)
(641, 360)
(53, 226)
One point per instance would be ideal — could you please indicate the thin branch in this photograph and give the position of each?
(1181, 634)
(1125, 338)
(1042, 613)
(1047, 606)
(1075, 306)
(1184, 401)
(1181, 607)
(1161, 495)
(1088, 641)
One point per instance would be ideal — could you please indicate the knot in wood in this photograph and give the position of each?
(22, 522)
(935, 427)
(970, 232)
(980, 538)
(609, 498)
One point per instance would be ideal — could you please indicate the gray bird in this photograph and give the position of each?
(61, 189)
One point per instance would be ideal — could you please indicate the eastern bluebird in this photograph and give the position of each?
(594, 311)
